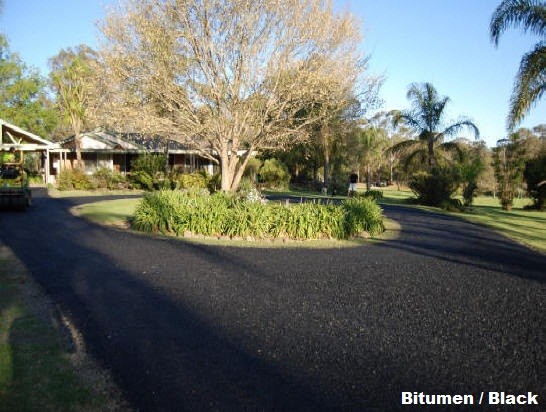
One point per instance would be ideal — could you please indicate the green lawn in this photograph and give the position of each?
(109, 212)
(35, 371)
(524, 226)
(90, 193)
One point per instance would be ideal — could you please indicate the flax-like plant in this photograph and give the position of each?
(223, 214)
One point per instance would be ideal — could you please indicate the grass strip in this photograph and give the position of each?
(37, 371)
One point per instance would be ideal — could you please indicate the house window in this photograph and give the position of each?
(105, 160)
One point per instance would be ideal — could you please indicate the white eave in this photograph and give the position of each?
(13, 137)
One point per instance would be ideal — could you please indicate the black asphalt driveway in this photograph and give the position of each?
(448, 308)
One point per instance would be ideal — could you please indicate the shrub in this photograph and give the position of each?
(142, 180)
(148, 172)
(535, 176)
(108, 179)
(225, 214)
(214, 182)
(274, 174)
(252, 168)
(362, 215)
(149, 163)
(453, 205)
(248, 191)
(190, 181)
(374, 194)
(74, 179)
(432, 189)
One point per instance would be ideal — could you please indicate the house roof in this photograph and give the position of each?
(125, 142)
(14, 137)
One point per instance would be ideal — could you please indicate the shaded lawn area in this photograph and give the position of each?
(35, 370)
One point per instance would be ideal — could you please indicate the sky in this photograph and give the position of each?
(444, 42)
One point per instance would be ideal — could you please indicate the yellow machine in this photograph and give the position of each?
(14, 189)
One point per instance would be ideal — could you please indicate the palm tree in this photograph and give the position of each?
(426, 119)
(531, 78)
(70, 76)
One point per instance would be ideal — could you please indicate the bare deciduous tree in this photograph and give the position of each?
(228, 77)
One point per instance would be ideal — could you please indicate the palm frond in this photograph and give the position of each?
(530, 84)
(409, 119)
(453, 147)
(403, 146)
(420, 155)
(530, 14)
(459, 125)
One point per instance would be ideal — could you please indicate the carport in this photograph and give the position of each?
(15, 138)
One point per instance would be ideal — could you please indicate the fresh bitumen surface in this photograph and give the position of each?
(447, 308)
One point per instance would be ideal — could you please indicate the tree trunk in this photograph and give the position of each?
(76, 126)
(226, 174)
(326, 151)
(232, 168)
(431, 156)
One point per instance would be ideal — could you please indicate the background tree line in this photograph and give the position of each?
(246, 77)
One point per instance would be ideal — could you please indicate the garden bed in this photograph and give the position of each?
(223, 215)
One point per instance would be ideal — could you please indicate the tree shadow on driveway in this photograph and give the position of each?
(457, 241)
(192, 327)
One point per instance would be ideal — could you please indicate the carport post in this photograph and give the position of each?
(46, 167)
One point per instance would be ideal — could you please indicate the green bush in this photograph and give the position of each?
(149, 163)
(247, 190)
(274, 174)
(225, 214)
(435, 188)
(535, 176)
(148, 172)
(214, 182)
(142, 180)
(363, 215)
(252, 168)
(74, 179)
(374, 194)
(108, 179)
(190, 181)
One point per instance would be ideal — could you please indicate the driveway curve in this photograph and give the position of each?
(447, 308)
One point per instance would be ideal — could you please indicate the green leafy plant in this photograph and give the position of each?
(374, 194)
(108, 179)
(224, 214)
(274, 174)
(142, 180)
(74, 179)
(148, 172)
(362, 215)
(435, 187)
(535, 176)
(190, 181)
